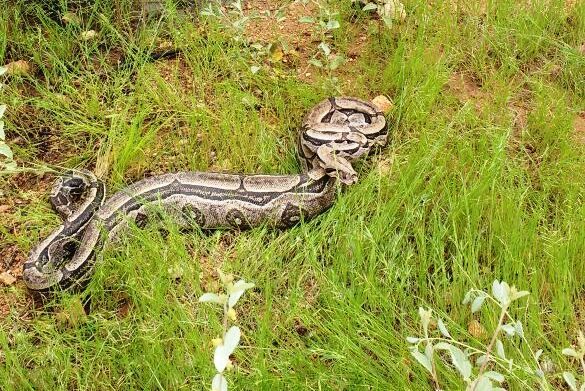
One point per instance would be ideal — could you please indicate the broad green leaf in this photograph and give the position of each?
(482, 384)
(325, 48)
(422, 359)
(241, 285)
(461, 362)
(5, 150)
(443, 328)
(412, 339)
(315, 62)
(232, 338)
(501, 291)
(222, 353)
(481, 360)
(306, 19)
(234, 297)
(429, 351)
(336, 62)
(211, 298)
(467, 298)
(519, 295)
(477, 303)
(443, 346)
(570, 352)
(500, 349)
(538, 354)
(570, 379)
(519, 329)
(370, 7)
(387, 21)
(509, 329)
(333, 24)
(219, 383)
(495, 376)
(2, 110)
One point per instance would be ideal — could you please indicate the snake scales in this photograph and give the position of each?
(333, 134)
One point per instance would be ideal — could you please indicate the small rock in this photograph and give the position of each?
(383, 104)
(70, 17)
(18, 68)
(7, 279)
(88, 35)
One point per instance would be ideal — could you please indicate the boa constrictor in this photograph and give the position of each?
(334, 133)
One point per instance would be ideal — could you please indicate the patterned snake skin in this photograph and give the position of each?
(334, 133)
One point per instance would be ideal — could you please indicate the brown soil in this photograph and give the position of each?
(466, 89)
(579, 126)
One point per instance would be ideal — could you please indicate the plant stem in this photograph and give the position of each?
(491, 344)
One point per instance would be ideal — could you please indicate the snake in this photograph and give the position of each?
(333, 134)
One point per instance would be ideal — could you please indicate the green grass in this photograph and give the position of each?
(461, 196)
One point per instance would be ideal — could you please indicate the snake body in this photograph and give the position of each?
(333, 134)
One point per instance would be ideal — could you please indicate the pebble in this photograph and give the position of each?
(383, 104)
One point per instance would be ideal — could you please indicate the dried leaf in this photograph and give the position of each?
(7, 279)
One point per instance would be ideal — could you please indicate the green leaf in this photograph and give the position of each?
(570, 352)
(10, 167)
(219, 383)
(500, 349)
(509, 329)
(325, 48)
(429, 351)
(495, 376)
(477, 303)
(387, 21)
(443, 346)
(501, 291)
(211, 298)
(412, 339)
(315, 62)
(570, 379)
(3, 70)
(370, 7)
(2, 134)
(422, 359)
(481, 360)
(443, 328)
(461, 362)
(336, 62)
(519, 295)
(5, 150)
(482, 384)
(538, 354)
(332, 24)
(519, 329)
(2, 110)
(306, 19)
(467, 298)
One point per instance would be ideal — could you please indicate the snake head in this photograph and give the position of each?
(336, 133)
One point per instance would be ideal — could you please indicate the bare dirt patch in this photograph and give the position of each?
(579, 128)
(467, 89)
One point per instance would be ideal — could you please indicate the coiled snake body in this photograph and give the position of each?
(334, 133)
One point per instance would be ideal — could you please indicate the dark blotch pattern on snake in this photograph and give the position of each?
(334, 133)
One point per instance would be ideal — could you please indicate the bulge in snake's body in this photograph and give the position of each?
(334, 133)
